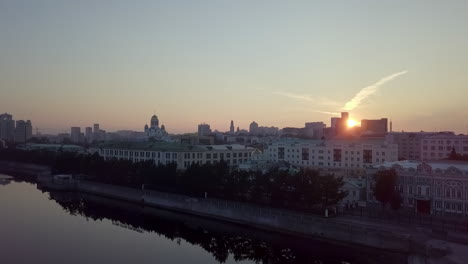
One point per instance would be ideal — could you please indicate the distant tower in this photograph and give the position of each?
(391, 126)
(231, 129)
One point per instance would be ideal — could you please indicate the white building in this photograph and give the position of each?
(183, 154)
(342, 154)
(439, 187)
(439, 146)
(156, 132)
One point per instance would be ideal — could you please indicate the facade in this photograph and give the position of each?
(342, 154)
(429, 187)
(182, 154)
(23, 131)
(375, 126)
(439, 146)
(156, 132)
(204, 130)
(314, 129)
(7, 127)
(409, 143)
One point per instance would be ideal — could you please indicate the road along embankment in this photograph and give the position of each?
(264, 218)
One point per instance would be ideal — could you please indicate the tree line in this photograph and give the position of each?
(305, 190)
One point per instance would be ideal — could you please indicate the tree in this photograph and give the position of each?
(395, 201)
(385, 185)
(330, 187)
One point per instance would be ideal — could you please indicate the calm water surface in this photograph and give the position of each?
(54, 227)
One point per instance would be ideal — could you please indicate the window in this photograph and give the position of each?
(208, 155)
(305, 154)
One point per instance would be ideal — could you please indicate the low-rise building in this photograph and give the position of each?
(440, 145)
(439, 187)
(342, 154)
(182, 154)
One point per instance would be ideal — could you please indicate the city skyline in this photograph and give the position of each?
(75, 64)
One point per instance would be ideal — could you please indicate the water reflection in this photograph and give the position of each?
(219, 239)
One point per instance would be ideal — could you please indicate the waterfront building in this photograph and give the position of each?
(23, 131)
(342, 154)
(183, 154)
(7, 127)
(438, 187)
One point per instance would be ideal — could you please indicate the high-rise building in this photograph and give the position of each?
(23, 131)
(7, 127)
(75, 134)
(204, 130)
(375, 126)
(96, 128)
(89, 134)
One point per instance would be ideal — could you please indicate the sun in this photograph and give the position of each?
(352, 123)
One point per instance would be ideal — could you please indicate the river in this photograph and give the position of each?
(38, 226)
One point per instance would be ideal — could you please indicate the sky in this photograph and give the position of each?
(279, 63)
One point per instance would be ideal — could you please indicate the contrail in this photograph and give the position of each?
(295, 96)
(369, 90)
(327, 113)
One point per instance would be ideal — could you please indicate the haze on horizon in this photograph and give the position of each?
(75, 63)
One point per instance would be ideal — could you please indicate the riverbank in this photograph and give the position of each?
(340, 229)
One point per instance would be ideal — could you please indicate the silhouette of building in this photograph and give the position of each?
(374, 126)
(75, 134)
(204, 130)
(7, 127)
(89, 134)
(231, 128)
(253, 128)
(23, 131)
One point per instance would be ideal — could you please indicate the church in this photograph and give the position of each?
(156, 132)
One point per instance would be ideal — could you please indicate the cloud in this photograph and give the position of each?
(369, 90)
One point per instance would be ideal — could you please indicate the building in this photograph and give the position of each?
(23, 131)
(231, 127)
(52, 147)
(439, 146)
(409, 143)
(204, 130)
(314, 129)
(75, 134)
(7, 127)
(439, 187)
(253, 128)
(342, 154)
(156, 132)
(89, 134)
(340, 124)
(374, 126)
(182, 154)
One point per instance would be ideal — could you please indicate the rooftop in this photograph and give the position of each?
(171, 146)
(440, 164)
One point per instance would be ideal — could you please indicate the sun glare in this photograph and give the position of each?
(352, 123)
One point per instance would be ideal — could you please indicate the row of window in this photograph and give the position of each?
(169, 155)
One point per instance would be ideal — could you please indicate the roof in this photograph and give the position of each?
(440, 164)
(172, 146)
(380, 141)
